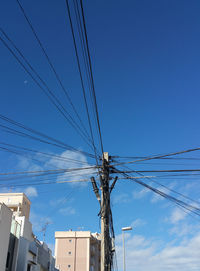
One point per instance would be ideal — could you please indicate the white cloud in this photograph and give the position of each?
(31, 192)
(67, 211)
(38, 221)
(121, 198)
(138, 223)
(66, 160)
(184, 229)
(177, 215)
(140, 194)
(76, 160)
(55, 202)
(148, 254)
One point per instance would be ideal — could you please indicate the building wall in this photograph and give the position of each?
(5, 225)
(17, 202)
(17, 239)
(73, 251)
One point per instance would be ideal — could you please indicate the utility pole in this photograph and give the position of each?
(107, 245)
(105, 215)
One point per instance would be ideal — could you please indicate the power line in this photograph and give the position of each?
(56, 157)
(51, 64)
(81, 78)
(84, 53)
(48, 92)
(179, 202)
(157, 157)
(169, 170)
(91, 74)
(167, 188)
(57, 143)
(47, 171)
(26, 179)
(48, 183)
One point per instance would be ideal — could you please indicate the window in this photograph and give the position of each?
(70, 240)
(69, 252)
(8, 260)
(69, 265)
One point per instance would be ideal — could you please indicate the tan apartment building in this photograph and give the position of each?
(77, 251)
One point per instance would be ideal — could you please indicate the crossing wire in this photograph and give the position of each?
(193, 209)
(56, 144)
(157, 157)
(54, 156)
(49, 171)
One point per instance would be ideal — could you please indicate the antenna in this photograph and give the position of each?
(44, 230)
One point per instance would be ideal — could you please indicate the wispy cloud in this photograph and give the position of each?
(177, 215)
(147, 254)
(66, 160)
(121, 198)
(31, 192)
(38, 221)
(67, 211)
(141, 193)
(138, 223)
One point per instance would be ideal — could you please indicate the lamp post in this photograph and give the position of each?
(123, 230)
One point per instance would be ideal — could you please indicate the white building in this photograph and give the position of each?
(23, 251)
(5, 224)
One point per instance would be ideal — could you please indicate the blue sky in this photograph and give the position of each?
(146, 62)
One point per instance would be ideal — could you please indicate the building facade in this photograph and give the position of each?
(22, 251)
(5, 225)
(77, 250)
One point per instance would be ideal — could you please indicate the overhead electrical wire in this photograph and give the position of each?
(47, 183)
(30, 180)
(81, 78)
(48, 92)
(84, 54)
(47, 171)
(19, 154)
(50, 63)
(56, 143)
(45, 154)
(161, 170)
(195, 210)
(142, 176)
(158, 157)
(166, 188)
(91, 74)
(162, 158)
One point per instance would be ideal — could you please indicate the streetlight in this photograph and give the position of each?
(123, 230)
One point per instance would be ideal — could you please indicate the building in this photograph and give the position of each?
(22, 252)
(17, 202)
(77, 250)
(5, 225)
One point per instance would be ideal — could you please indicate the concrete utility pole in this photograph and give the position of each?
(105, 215)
